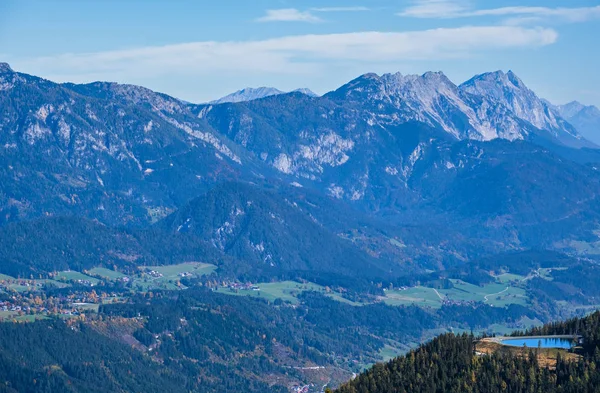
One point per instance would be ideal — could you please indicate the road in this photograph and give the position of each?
(494, 294)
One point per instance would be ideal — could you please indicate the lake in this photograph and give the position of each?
(543, 342)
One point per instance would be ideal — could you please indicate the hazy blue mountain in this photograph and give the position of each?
(306, 91)
(250, 94)
(586, 119)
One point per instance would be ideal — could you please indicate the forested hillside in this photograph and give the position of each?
(450, 364)
(201, 341)
(34, 248)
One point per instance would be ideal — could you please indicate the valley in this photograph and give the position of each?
(284, 242)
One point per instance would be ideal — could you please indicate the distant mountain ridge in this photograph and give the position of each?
(250, 94)
(585, 118)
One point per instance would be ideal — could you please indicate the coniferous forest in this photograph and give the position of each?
(449, 364)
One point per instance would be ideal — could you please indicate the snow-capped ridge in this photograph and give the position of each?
(306, 91)
(488, 106)
(248, 94)
(251, 94)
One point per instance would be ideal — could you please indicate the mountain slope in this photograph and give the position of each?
(271, 234)
(119, 153)
(63, 243)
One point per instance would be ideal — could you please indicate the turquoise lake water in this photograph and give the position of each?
(543, 342)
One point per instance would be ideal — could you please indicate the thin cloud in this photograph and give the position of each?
(302, 54)
(289, 15)
(450, 9)
(341, 9)
(435, 9)
(295, 15)
(581, 14)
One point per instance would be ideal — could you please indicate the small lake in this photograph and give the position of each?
(542, 342)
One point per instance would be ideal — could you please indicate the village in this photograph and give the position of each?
(34, 302)
(237, 286)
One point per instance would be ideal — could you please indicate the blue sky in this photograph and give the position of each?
(200, 50)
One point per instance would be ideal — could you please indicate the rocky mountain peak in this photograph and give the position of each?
(515, 80)
(5, 68)
(508, 90)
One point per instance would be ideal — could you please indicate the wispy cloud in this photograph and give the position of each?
(520, 14)
(435, 9)
(580, 14)
(289, 15)
(295, 15)
(341, 9)
(285, 55)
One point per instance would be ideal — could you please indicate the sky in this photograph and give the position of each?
(200, 50)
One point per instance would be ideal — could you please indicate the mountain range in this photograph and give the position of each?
(387, 174)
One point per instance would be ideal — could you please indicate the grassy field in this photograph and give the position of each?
(31, 285)
(5, 277)
(87, 307)
(106, 273)
(172, 272)
(170, 275)
(496, 294)
(418, 296)
(52, 282)
(389, 352)
(509, 277)
(546, 273)
(149, 284)
(6, 315)
(512, 295)
(14, 315)
(20, 288)
(74, 276)
(286, 291)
